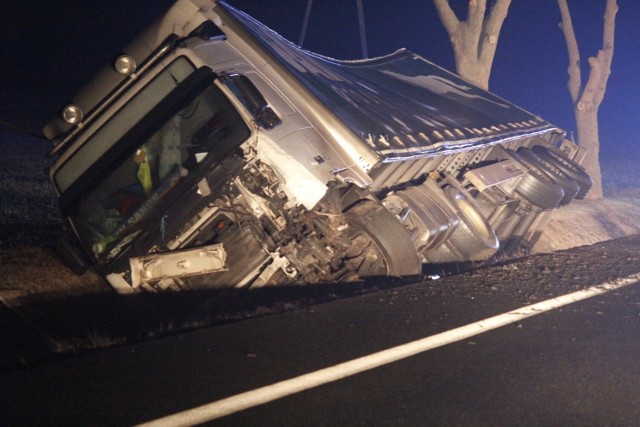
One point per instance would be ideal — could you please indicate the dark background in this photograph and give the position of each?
(49, 48)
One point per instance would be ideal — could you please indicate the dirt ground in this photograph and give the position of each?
(585, 222)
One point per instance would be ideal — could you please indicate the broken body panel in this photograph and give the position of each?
(223, 155)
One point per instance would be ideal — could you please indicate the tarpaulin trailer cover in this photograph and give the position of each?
(401, 104)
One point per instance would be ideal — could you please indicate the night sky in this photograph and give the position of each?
(49, 48)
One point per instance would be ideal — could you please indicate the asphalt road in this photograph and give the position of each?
(576, 365)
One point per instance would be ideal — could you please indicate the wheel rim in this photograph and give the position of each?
(391, 242)
(471, 217)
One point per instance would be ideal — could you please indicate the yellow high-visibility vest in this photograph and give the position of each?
(144, 175)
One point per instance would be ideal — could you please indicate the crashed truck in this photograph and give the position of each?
(214, 153)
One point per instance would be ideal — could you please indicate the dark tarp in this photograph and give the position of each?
(401, 104)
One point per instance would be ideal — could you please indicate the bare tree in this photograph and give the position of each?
(586, 99)
(474, 40)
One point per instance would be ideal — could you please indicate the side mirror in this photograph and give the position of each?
(252, 99)
(71, 254)
(267, 118)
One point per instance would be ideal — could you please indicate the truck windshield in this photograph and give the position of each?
(195, 129)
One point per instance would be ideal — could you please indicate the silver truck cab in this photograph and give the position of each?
(214, 153)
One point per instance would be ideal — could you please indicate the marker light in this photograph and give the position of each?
(125, 65)
(72, 114)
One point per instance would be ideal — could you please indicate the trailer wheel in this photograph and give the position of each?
(569, 186)
(568, 167)
(387, 247)
(537, 188)
(474, 238)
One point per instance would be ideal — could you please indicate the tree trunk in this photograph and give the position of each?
(587, 99)
(587, 129)
(472, 71)
(474, 40)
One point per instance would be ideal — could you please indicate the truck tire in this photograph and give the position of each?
(567, 166)
(537, 188)
(390, 240)
(569, 186)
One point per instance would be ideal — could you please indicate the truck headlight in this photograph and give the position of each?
(125, 65)
(72, 114)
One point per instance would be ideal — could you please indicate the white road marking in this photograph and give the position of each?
(262, 395)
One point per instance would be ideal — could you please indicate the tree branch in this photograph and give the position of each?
(448, 17)
(605, 55)
(474, 22)
(492, 27)
(587, 98)
(573, 70)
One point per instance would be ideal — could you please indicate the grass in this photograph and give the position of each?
(26, 197)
